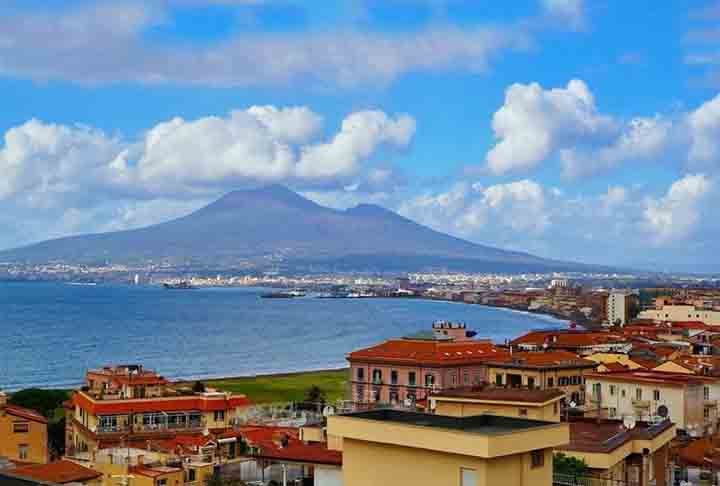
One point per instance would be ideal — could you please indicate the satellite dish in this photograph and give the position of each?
(328, 411)
(662, 411)
(206, 432)
(629, 422)
(573, 404)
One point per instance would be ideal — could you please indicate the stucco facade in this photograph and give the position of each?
(23, 434)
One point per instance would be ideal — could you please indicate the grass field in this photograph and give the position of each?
(286, 387)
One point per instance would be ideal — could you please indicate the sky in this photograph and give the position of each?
(584, 130)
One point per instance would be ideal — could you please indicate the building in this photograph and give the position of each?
(409, 448)
(664, 312)
(60, 472)
(547, 370)
(23, 434)
(126, 403)
(573, 340)
(407, 369)
(690, 402)
(508, 402)
(622, 306)
(618, 455)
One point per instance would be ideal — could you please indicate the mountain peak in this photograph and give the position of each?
(275, 194)
(369, 210)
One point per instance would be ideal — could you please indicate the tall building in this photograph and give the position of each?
(622, 306)
(127, 402)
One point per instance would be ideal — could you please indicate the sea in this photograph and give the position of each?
(50, 333)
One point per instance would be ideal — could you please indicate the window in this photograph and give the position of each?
(531, 382)
(453, 379)
(360, 392)
(21, 427)
(612, 390)
(613, 412)
(656, 394)
(468, 477)
(191, 476)
(555, 408)
(23, 452)
(161, 482)
(412, 379)
(537, 459)
(219, 415)
(377, 376)
(706, 413)
(523, 412)
(466, 378)
(638, 393)
(394, 396)
(394, 377)
(596, 391)
(361, 374)
(429, 380)
(706, 393)
(551, 383)
(622, 393)
(499, 379)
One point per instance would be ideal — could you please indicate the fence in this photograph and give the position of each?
(571, 480)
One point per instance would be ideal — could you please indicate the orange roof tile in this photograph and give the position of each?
(168, 404)
(569, 339)
(439, 353)
(25, 413)
(269, 442)
(59, 472)
(544, 359)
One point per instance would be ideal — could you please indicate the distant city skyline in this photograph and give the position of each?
(571, 129)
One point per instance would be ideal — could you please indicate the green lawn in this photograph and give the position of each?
(287, 387)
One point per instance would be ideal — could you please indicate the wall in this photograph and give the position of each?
(549, 412)
(541, 379)
(36, 439)
(680, 313)
(328, 476)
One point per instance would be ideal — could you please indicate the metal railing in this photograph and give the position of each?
(572, 480)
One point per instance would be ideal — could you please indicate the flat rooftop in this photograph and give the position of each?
(478, 424)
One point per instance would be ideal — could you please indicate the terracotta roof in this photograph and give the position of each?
(269, 442)
(59, 472)
(614, 366)
(656, 377)
(691, 325)
(153, 471)
(568, 339)
(700, 365)
(590, 435)
(25, 413)
(168, 404)
(490, 394)
(700, 452)
(543, 359)
(439, 353)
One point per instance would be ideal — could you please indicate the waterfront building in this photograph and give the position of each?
(552, 369)
(622, 306)
(23, 434)
(127, 402)
(691, 402)
(509, 402)
(574, 340)
(406, 370)
(407, 448)
(620, 453)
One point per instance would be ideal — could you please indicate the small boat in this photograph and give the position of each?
(290, 294)
(184, 285)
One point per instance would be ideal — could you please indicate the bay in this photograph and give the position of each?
(52, 332)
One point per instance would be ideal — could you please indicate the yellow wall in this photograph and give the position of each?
(623, 359)
(372, 464)
(680, 313)
(549, 412)
(541, 378)
(36, 439)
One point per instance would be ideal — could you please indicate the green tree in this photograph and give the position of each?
(315, 397)
(44, 401)
(571, 466)
(198, 387)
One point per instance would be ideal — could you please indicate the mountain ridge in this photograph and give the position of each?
(274, 225)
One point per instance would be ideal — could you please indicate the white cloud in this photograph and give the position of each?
(568, 11)
(676, 215)
(106, 44)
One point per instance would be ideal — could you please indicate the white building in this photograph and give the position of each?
(618, 306)
(682, 313)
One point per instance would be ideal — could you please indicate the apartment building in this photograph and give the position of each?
(127, 402)
(408, 448)
(622, 306)
(689, 401)
(573, 340)
(665, 312)
(408, 369)
(507, 402)
(23, 434)
(547, 370)
(620, 455)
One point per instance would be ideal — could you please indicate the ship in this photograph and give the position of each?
(184, 285)
(290, 294)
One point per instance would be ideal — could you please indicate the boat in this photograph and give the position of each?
(184, 285)
(290, 294)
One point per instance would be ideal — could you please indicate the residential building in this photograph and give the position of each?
(622, 306)
(128, 403)
(405, 370)
(681, 312)
(573, 340)
(618, 455)
(509, 402)
(60, 472)
(407, 448)
(691, 402)
(698, 462)
(552, 369)
(23, 434)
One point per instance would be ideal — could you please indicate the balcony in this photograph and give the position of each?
(157, 428)
(710, 403)
(641, 403)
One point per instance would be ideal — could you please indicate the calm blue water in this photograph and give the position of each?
(50, 333)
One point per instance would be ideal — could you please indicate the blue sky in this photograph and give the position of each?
(575, 129)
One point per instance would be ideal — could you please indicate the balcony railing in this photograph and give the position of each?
(641, 403)
(146, 428)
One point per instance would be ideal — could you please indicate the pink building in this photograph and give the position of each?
(411, 367)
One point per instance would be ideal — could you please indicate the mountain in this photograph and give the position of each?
(274, 226)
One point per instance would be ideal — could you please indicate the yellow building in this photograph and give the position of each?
(616, 454)
(508, 402)
(407, 448)
(23, 434)
(60, 472)
(608, 358)
(681, 313)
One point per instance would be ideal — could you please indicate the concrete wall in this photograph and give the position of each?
(328, 476)
(680, 313)
(549, 412)
(10, 441)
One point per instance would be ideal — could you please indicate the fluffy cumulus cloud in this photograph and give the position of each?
(106, 44)
(73, 175)
(536, 125)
